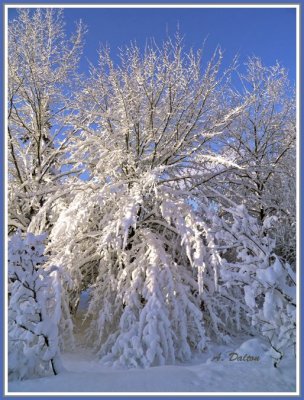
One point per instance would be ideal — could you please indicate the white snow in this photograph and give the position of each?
(212, 372)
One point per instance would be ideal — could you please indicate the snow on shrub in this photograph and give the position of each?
(34, 309)
(262, 283)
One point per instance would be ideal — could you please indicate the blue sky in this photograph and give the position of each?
(267, 33)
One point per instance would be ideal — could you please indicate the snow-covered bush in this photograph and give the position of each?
(34, 309)
(275, 314)
(256, 278)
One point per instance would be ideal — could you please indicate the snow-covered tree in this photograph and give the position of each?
(34, 309)
(262, 142)
(130, 231)
(42, 76)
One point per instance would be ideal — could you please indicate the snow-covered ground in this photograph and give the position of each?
(211, 372)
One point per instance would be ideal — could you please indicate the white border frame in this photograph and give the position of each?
(298, 85)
